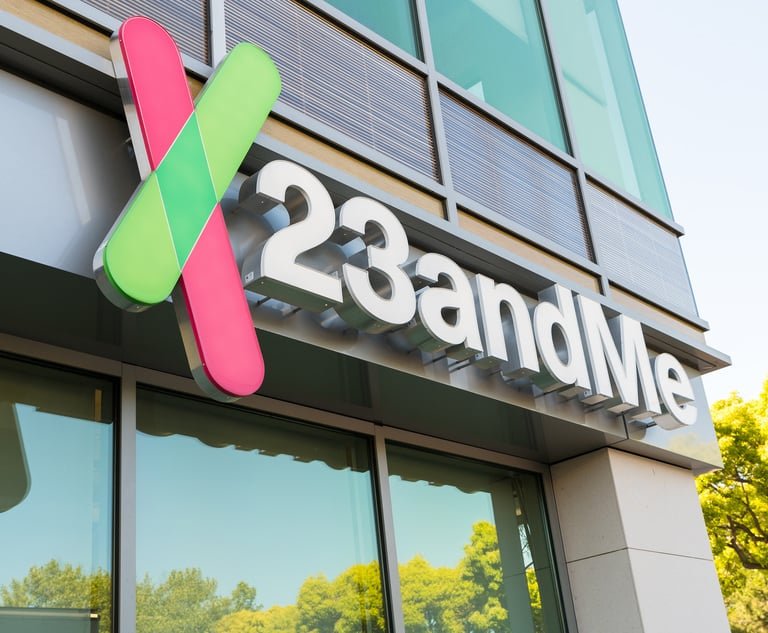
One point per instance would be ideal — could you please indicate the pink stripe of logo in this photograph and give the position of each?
(218, 331)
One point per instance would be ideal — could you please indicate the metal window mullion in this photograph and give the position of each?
(441, 146)
(217, 31)
(570, 132)
(125, 537)
(589, 219)
(391, 575)
(511, 126)
(558, 551)
(638, 205)
(435, 111)
(557, 76)
(360, 31)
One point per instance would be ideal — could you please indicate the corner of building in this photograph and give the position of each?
(636, 546)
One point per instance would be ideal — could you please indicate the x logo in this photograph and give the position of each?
(171, 236)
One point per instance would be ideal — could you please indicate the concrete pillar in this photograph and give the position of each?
(636, 547)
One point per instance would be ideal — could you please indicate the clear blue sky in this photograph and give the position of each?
(702, 67)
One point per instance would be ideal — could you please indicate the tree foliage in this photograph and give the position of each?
(467, 598)
(735, 504)
(277, 619)
(186, 602)
(481, 571)
(434, 598)
(62, 586)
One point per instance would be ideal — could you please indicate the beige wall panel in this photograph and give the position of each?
(654, 314)
(604, 597)
(659, 506)
(59, 24)
(584, 489)
(514, 244)
(677, 593)
(636, 546)
(334, 157)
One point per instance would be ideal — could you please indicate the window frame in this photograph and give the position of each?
(57, 359)
(128, 377)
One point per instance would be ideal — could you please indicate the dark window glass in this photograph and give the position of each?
(246, 522)
(392, 19)
(56, 455)
(495, 50)
(472, 546)
(604, 99)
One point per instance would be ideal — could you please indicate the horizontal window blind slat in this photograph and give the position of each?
(502, 172)
(186, 20)
(637, 253)
(339, 80)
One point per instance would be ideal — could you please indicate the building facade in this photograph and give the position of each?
(482, 406)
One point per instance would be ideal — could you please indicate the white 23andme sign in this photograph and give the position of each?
(564, 343)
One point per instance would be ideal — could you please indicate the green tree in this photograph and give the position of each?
(351, 603)
(186, 602)
(243, 598)
(735, 504)
(468, 598)
(534, 592)
(435, 599)
(277, 619)
(358, 598)
(62, 586)
(481, 569)
(317, 609)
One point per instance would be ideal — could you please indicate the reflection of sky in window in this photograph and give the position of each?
(270, 521)
(435, 521)
(67, 513)
(240, 516)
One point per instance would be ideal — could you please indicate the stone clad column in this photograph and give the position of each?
(636, 547)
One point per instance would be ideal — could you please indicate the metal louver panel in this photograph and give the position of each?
(504, 173)
(342, 82)
(637, 253)
(186, 20)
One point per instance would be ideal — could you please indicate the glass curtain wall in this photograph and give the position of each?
(472, 547)
(495, 50)
(56, 493)
(250, 522)
(604, 100)
(392, 19)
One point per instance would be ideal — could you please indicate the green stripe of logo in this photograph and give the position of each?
(153, 240)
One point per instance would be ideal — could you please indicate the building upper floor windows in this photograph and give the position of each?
(392, 19)
(495, 50)
(603, 98)
(503, 52)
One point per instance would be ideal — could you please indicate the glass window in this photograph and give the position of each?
(246, 522)
(472, 547)
(392, 19)
(495, 50)
(604, 99)
(56, 457)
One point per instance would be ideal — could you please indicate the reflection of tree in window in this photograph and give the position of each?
(501, 580)
(238, 495)
(56, 450)
(462, 599)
